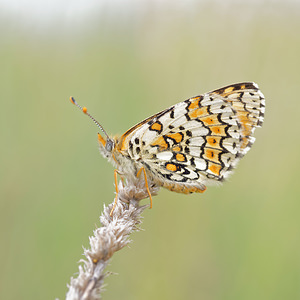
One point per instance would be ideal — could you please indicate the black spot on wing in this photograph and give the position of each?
(189, 133)
(172, 114)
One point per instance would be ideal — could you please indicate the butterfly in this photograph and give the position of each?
(194, 143)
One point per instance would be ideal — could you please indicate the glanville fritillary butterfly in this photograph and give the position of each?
(190, 144)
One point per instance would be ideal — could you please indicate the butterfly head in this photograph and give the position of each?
(106, 146)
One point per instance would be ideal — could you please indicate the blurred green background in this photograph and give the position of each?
(126, 60)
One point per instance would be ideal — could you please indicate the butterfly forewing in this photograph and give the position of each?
(200, 139)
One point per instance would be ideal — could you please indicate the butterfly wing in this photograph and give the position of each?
(199, 140)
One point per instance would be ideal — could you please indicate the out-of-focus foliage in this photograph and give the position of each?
(237, 241)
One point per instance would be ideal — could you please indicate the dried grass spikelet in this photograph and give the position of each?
(112, 236)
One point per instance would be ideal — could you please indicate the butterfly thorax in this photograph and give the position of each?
(120, 159)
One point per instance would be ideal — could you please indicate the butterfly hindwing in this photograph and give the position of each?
(201, 139)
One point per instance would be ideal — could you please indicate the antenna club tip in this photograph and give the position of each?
(72, 100)
(84, 109)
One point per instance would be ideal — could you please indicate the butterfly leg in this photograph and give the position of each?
(116, 172)
(146, 183)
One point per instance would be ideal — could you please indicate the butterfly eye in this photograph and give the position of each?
(109, 145)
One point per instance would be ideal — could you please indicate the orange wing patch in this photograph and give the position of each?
(178, 137)
(178, 188)
(157, 126)
(247, 124)
(224, 92)
(195, 103)
(161, 143)
(200, 112)
(214, 168)
(213, 141)
(171, 167)
(218, 130)
(177, 149)
(212, 155)
(210, 120)
(180, 157)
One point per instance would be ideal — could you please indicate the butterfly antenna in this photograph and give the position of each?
(84, 110)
